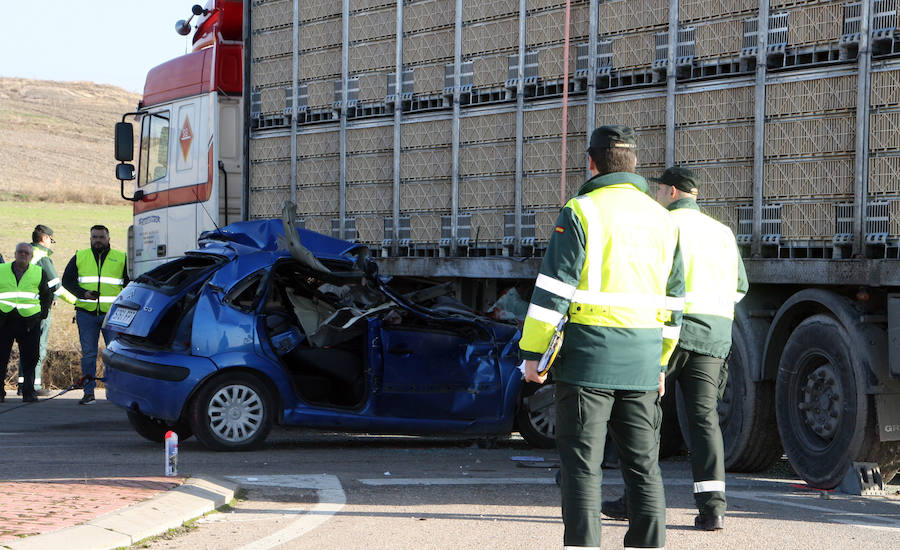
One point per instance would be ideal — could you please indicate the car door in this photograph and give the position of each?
(438, 374)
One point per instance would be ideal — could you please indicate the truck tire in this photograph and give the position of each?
(825, 417)
(232, 412)
(746, 415)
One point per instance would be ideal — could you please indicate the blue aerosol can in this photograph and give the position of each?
(171, 453)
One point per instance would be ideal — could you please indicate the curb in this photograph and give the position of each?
(197, 496)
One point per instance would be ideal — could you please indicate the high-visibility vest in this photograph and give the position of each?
(105, 277)
(625, 274)
(22, 295)
(55, 284)
(710, 259)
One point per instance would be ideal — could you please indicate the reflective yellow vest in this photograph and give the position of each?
(23, 295)
(710, 264)
(55, 284)
(105, 277)
(617, 281)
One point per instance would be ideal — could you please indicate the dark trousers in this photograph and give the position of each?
(27, 333)
(42, 354)
(702, 380)
(583, 416)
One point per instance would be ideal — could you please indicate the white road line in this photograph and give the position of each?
(458, 481)
(608, 480)
(856, 519)
(331, 500)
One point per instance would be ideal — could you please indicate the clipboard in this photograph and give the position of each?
(553, 349)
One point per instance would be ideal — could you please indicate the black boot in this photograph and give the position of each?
(615, 509)
(706, 522)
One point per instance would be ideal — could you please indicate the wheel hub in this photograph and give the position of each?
(820, 401)
(235, 413)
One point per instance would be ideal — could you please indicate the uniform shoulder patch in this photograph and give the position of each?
(560, 229)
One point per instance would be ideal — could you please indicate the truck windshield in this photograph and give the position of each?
(154, 161)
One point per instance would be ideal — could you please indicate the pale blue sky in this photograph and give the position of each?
(103, 41)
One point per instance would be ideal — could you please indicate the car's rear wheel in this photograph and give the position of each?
(536, 417)
(154, 429)
(232, 412)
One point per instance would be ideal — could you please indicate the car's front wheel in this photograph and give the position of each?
(232, 412)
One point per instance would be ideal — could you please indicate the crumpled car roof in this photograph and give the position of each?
(264, 235)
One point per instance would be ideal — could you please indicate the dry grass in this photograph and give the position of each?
(56, 140)
(57, 168)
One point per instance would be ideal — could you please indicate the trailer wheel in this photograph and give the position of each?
(746, 414)
(825, 417)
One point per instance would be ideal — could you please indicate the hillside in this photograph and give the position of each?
(56, 140)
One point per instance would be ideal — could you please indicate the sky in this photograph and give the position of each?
(103, 41)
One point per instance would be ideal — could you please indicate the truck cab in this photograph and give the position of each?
(189, 126)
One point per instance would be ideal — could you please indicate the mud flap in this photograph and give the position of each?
(887, 407)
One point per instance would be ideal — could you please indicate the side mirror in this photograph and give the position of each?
(124, 172)
(124, 144)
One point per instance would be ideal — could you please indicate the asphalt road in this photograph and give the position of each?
(311, 489)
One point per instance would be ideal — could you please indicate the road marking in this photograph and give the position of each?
(608, 480)
(864, 520)
(382, 482)
(331, 500)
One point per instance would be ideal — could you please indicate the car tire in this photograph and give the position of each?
(232, 412)
(536, 417)
(154, 430)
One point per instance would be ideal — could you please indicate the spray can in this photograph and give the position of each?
(171, 453)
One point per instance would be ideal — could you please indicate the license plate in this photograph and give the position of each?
(122, 316)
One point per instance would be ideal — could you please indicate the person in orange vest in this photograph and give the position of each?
(25, 299)
(95, 275)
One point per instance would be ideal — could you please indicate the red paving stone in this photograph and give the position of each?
(31, 507)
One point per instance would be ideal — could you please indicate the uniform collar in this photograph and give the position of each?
(684, 203)
(614, 178)
(42, 247)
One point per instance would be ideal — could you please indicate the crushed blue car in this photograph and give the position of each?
(271, 324)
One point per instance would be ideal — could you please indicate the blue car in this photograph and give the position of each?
(255, 329)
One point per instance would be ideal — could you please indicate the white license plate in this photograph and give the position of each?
(122, 316)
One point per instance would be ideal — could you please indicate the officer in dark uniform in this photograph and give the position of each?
(713, 286)
(613, 274)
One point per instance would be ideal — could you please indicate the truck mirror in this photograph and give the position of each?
(124, 171)
(124, 144)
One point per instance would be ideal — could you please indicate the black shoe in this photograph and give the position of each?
(709, 523)
(87, 400)
(42, 392)
(19, 389)
(615, 509)
(29, 398)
